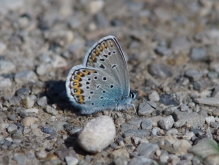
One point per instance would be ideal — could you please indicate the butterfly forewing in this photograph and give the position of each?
(107, 56)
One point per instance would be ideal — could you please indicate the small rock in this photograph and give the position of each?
(5, 83)
(71, 160)
(146, 149)
(166, 123)
(213, 101)
(138, 133)
(51, 110)
(140, 160)
(198, 54)
(154, 96)
(12, 127)
(96, 6)
(41, 154)
(120, 152)
(63, 152)
(97, 134)
(180, 44)
(44, 68)
(25, 77)
(172, 132)
(2, 47)
(193, 119)
(146, 124)
(173, 145)
(168, 99)
(209, 119)
(12, 117)
(59, 125)
(27, 121)
(42, 101)
(31, 110)
(145, 109)
(22, 92)
(47, 130)
(193, 74)
(159, 70)
(58, 61)
(6, 67)
(29, 101)
(20, 158)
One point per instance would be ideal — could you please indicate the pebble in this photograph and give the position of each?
(25, 77)
(198, 54)
(59, 125)
(213, 101)
(209, 119)
(51, 110)
(20, 158)
(139, 133)
(42, 101)
(166, 123)
(5, 83)
(62, 152)
(6, 66)
(193, 119)
(41, 154)
(174, 145)
(2, 47)
(168, 99)
(172, 132)
(146, 124)
(29, 101)
(193, 74)
(27, 121)
(146, 149)
(96, 6)
(180, 44)
(145, 109)
(11, 128)
(71, 160)
(44, 68)
(58, 61)
(140, 160)
(23, 92)
(47, 130)
(154, 96)
(97, 134)
(159, 70)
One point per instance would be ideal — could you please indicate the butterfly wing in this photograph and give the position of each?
(108, 56)
(92, 89)
(102, 81)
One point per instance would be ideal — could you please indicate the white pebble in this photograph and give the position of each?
(154, 96)
(97, 134)
(27, 121)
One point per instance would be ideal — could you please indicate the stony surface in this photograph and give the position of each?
(171, 49)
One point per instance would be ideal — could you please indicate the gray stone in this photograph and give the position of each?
(70, 160)
(154, 96)
(126, 127)
(59, 125)
(25, 77)
(166, 123)
(12, 127)
(198, 54)
(42, 101)
(63, 152)
(20, 158)
(5, 83)
(146, 149)
(163, 50)
(44, 68)
(146, 124)
(180, 44)
(29, 101)
(159, 70)
(193, 74)
(97, 134)
(141, 160)
(2, 47)
(22, 92)
(51, 110)
(193, 119)
(213, 101)
(138, 133)
(145, 109)
(6, 66)
(168, 99)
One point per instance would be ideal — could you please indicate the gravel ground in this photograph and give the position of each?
(172, 48)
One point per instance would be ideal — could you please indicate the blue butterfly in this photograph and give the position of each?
(102, 81)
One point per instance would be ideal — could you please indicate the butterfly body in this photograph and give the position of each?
(102, 81)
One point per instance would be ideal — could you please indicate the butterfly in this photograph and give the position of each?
(102, 81)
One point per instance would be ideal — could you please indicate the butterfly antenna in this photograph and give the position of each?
(147, 102)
